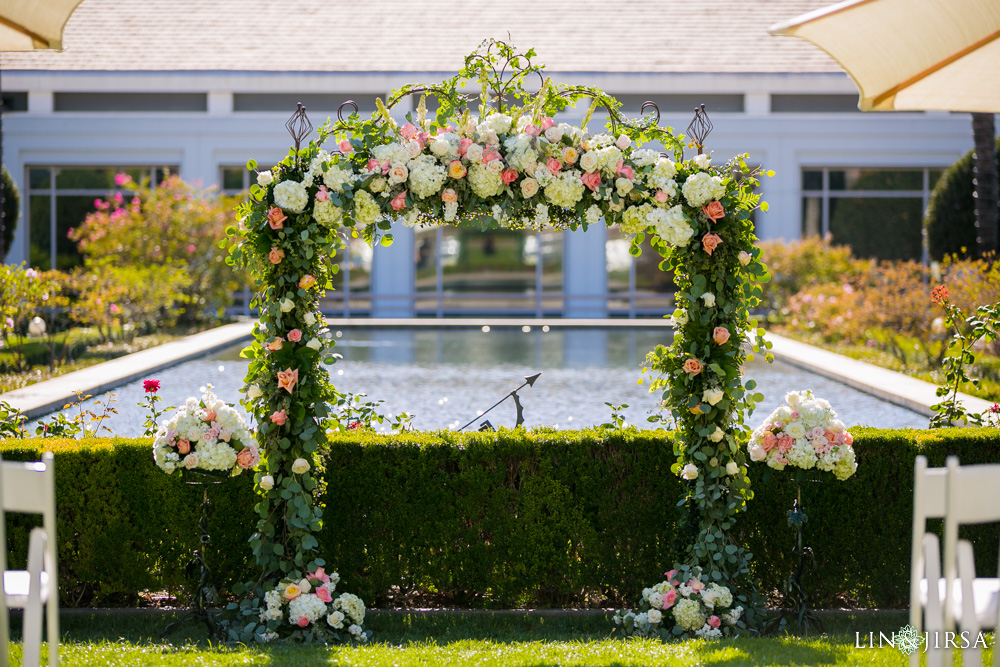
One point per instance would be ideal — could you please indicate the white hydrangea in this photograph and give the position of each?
(701, 188)
(608, 158)
(366, 211)
(291, 196)
(273, 602)
(541, 215)
(664, 168)
(708, 632)
(327, 213)
(723, 596)
(634, 219)
(497, 122)
(485, 183)
(445, 146)
(450, 211)
(593, 215)
(336, 177)
(703, 161)
(565, 189)
(306, 605)
(688, 614)
(644, 157)
(427, 176)
(395, 153)
(352, 606)
(671, 225)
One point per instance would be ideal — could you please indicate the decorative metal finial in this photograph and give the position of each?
(340, 109)
(650, 104)
(700, 127)
(529, 381)
(299, 126)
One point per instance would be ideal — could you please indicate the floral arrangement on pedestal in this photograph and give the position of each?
(805, 433)
(205, 434)
(683, 608)
(310, 606)
(512, 165)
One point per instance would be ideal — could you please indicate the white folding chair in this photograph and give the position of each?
(30, 488)
(929, 497)
(974, 602)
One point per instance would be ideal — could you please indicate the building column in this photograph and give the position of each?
(394, 275)
(585, 272)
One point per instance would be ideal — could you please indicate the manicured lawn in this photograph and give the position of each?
(481, 639)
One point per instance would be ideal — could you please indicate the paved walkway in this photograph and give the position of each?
(44, 397)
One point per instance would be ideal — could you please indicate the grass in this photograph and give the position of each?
(480, 639)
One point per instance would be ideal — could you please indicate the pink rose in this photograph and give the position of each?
(279, 417)
(670, 575)
(532, 131)
(770, 441)
(669, 598)
(720, 335)
(696, 585)
(554, 165)
(407, 131)
(547, 123)
(592, 180)
(817, 432)
(622, 169)
(489, 155)
(449, 196)
(509, 176)
(785, 443)
(183, 447)
(276, 255)
(307, 281)
(322, 194)
(345, 146)
(373, 165)
(320, 575)
(399, 201)
(302, 622)
(623, 142)
(324, 595)
(295, 335)
(661, 196)
(710, 242)
(244, 459)
(463, 146)
(714, 621)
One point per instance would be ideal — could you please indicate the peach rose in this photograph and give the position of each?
(529, 188)
(554, 165)
(275, 344)
(276, 255)
(345, 146)
(287, 379)
(509, 176)
(714, 211)
(710, 242)
(183, 446)
(570, 155)
(276, 217)
(307, 281)
(770, 441)
(449, 196)
(720, 335)
(292, 591)
(295, 335)
(279, 417)
(592, 180)
(398, 174)
(692, 366)
(456, 169)
(211, 416)
(244, 459)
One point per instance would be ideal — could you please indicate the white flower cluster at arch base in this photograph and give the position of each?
(678, 609)
(309, 604)
(205, 434)
(523, 174)
(805, 433)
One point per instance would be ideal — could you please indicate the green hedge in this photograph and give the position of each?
(545, 518)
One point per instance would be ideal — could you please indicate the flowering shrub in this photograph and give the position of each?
(23, 292)
(800, 265)
(804, 434)
(205, 434)
(683, 608)
(169, 225)
(307, 610)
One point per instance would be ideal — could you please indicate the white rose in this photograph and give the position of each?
(709, 299)
(745, 257)
(399, 174)
(412, 149)
(732, 468)
(703, 161)
(712, 396)
(589, 161)
(378, 184)
(624, 186)
(474, 153)
(300, 466)
(623, 142)
(796, 430)
(554, 134)
(529, 188)
(305, 585)
(310, 318)
(314, 344)
(690, 471)
(265, 178)
(190, 461)
(440, 147)
(287, 305)
(717, 435)
(336, 620)
(757, 453)
(654, 615)
(254, 392)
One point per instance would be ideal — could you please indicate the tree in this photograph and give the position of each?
(11, 210)
(985, 175)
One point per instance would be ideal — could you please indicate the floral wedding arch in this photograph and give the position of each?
(511, 165)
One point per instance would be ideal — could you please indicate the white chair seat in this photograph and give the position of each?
(985, 593)
(15, 587)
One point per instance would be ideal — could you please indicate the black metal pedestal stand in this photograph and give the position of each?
(795, 604)
(198, 612)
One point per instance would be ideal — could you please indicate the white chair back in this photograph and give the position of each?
(29, 488)
(929, 499)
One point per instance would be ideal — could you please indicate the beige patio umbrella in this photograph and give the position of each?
(26, 25)
(911, 54)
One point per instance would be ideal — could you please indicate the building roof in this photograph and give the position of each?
(630, 36)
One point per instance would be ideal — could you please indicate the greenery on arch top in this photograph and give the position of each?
(510, 164)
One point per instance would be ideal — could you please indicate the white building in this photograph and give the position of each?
(199, 87)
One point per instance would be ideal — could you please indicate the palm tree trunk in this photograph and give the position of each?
(985, 181)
